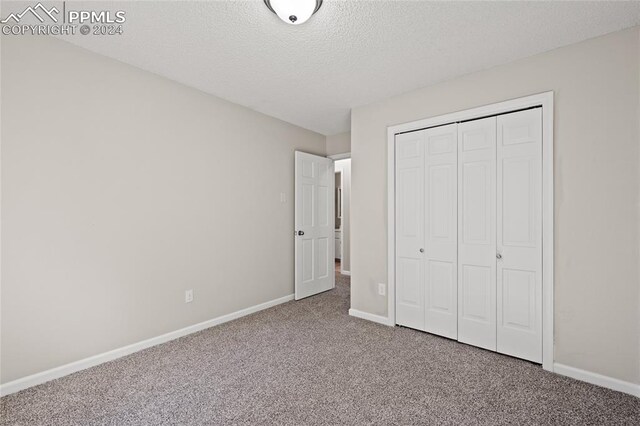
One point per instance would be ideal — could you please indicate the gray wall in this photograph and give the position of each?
(339, 144)
(120, 190)
(597, 177)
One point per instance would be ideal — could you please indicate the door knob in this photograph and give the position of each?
(498, 256)
(300, 232)
(421, 250)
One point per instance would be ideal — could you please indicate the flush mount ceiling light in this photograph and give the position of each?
(294, 12)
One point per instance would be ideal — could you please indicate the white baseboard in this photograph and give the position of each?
(346, 273)
(597, 379)
(370, 317)
(64, 370)
(565, 370)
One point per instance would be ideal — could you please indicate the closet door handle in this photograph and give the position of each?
(498, 256)
(421, 250)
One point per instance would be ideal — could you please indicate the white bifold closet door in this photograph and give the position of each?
(426, 230)
(519, 236)
(500, 237)
(477, 236)
(469, 232)
(410, 229)
(441, 248)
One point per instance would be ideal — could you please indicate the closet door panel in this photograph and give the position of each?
(477, 233)
(410, 229)
(441, 231)
(519, 238)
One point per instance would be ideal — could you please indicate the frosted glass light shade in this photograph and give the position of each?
(294, 12)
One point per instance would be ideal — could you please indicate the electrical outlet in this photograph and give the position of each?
(382, 289)
(283, 197)
(188, 296)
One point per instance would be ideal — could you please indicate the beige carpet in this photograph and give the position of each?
(308, 362)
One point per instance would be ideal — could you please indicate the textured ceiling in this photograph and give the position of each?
(350, 53)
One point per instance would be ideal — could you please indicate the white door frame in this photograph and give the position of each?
(336, 157)
(544, 100)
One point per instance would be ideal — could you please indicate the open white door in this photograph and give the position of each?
(314, 225)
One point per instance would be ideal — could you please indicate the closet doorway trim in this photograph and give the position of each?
(544, 100)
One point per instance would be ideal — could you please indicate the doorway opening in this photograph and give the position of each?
(342, 216)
